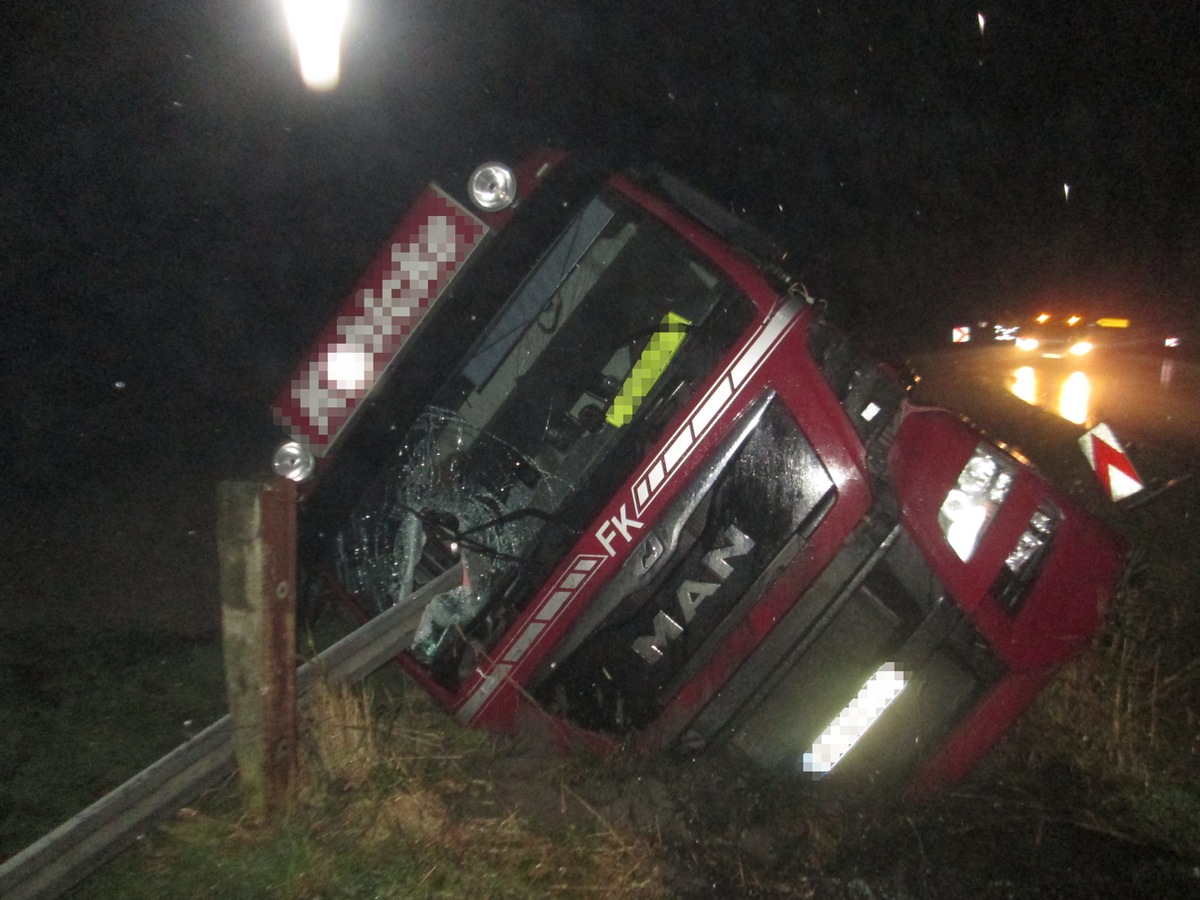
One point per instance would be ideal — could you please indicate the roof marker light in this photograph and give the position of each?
(295, 461)
(493, 187)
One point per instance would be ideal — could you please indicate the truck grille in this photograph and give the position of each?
(692, 579)
(877, 607)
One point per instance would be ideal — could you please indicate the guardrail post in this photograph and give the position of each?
(256, 530)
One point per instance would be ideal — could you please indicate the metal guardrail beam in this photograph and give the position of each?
(72, 851)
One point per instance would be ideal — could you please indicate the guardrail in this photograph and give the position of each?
(71, 852)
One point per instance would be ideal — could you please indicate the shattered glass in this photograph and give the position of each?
(521, 446)
(477, 496)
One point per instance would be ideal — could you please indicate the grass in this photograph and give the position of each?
(83, 710)
(109, 703)
(392, 800)
(1125, 716)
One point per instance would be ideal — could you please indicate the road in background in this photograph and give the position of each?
(1147, 396)
(1150, 399)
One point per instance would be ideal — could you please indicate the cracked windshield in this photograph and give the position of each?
(582, 366)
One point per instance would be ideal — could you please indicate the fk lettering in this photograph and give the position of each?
(691, 594)
(619, 524)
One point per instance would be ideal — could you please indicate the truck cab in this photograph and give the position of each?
(669, 504)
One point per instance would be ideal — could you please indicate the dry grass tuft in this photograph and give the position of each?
(416, 815)
(388, 775)
(343, 737)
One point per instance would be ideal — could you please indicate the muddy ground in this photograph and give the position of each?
(726, 832)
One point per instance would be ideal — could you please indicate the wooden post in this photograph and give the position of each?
(256, 532)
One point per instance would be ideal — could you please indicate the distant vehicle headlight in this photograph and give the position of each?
(295, 461)
(493, 187)
(1081, 348)
(1027, 343)
(971, 504)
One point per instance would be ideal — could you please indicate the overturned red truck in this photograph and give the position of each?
(683, 511)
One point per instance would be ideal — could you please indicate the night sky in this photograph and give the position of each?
(179, 215)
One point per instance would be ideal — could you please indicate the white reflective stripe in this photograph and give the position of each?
(678, 449)
(482, 693)
(553, 604)
(517, 650)
(657, 475)
(714, 404)
(744, 368)
(582, 569)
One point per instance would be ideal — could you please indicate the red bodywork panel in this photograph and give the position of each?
(384, 310)
(925, 460)
(1051, 625)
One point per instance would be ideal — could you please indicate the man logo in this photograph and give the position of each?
(691, 594)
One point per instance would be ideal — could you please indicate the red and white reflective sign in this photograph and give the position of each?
(1107, 457)
(961, 335)
(424, 253)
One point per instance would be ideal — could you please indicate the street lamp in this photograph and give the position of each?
(316, 29)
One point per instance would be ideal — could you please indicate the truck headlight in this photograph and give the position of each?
(493, 187)
(1034, 539)
(971, 504)
(1023, 563)
(295, 461)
